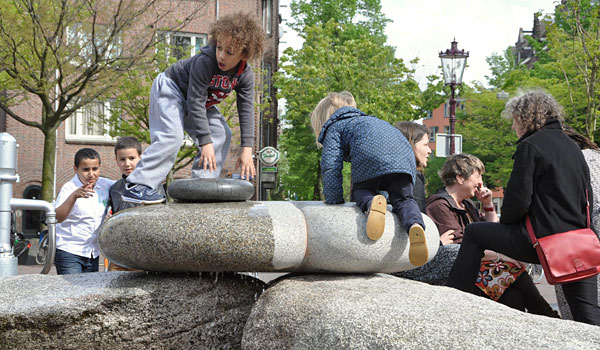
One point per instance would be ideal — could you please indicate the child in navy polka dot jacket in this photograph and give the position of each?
(382, 160)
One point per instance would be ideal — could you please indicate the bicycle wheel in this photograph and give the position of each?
(42, 252)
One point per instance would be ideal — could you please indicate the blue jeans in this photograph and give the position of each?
(67, 263)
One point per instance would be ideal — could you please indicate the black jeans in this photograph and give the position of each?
(400, 190)
(512, 240)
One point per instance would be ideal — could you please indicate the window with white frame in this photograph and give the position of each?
(88, 123)
(184, 45)
(267, 15)
(79, 38)
(460, 106)
(432, 131)
(268, 77)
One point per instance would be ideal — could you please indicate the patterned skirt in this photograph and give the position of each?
(495, 277)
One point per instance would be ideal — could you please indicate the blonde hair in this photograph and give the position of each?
(326, 107)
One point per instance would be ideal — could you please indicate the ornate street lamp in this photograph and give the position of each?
(453, 66)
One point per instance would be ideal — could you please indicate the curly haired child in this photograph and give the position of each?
(184, 98)
(382, 160)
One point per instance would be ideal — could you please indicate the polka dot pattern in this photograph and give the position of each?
(373, 146)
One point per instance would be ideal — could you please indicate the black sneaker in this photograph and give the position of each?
(141, 194)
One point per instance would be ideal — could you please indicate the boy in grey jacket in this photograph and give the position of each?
(184, 98)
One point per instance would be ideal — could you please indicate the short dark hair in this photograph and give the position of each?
(462, 164)
(128, 142)
(86, 153)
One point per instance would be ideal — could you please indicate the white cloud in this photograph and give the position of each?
(424, 28)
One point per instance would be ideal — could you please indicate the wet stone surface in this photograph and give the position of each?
(210, 190)
(182, 237)
(126, 310)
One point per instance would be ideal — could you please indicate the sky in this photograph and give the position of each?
(424, 28)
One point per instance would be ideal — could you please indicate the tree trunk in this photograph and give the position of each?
(49, 160)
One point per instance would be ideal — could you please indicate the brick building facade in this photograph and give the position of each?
(30, 139)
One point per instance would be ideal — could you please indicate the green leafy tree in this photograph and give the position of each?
(344, 49)
(574, 42)
(500, 66)
(487, 134)
(64, 54)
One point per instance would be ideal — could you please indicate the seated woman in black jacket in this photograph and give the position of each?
(548, 182)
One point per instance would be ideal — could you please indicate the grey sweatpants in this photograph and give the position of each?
(168, 120)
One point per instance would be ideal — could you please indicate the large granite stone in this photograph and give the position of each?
(233, 236)
(437, 270)
(125, 310)
(199, 190)
(256, 236)
(385, 312)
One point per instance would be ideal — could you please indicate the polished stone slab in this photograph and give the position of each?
(200, 190)
(271, 236)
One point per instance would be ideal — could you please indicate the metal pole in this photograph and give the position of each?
(8, 165)
(452, 117)
(33, 204)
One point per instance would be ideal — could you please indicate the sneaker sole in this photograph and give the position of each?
(417, 253)
(376, 218)
(140, 201)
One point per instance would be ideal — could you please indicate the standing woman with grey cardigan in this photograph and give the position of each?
(591, 153)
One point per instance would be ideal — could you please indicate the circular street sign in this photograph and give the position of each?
(268, 155)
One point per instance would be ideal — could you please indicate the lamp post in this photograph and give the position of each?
(453, 66)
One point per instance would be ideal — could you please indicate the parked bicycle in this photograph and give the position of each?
(18, 242)
(40, 257)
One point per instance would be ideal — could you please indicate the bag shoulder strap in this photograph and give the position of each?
(530, 227)
(530, 231)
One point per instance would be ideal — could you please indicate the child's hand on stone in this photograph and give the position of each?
(207, 158)
(246, 163)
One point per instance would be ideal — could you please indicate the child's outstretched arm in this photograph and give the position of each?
(63, 210)
(245, 107)
(247, 163)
